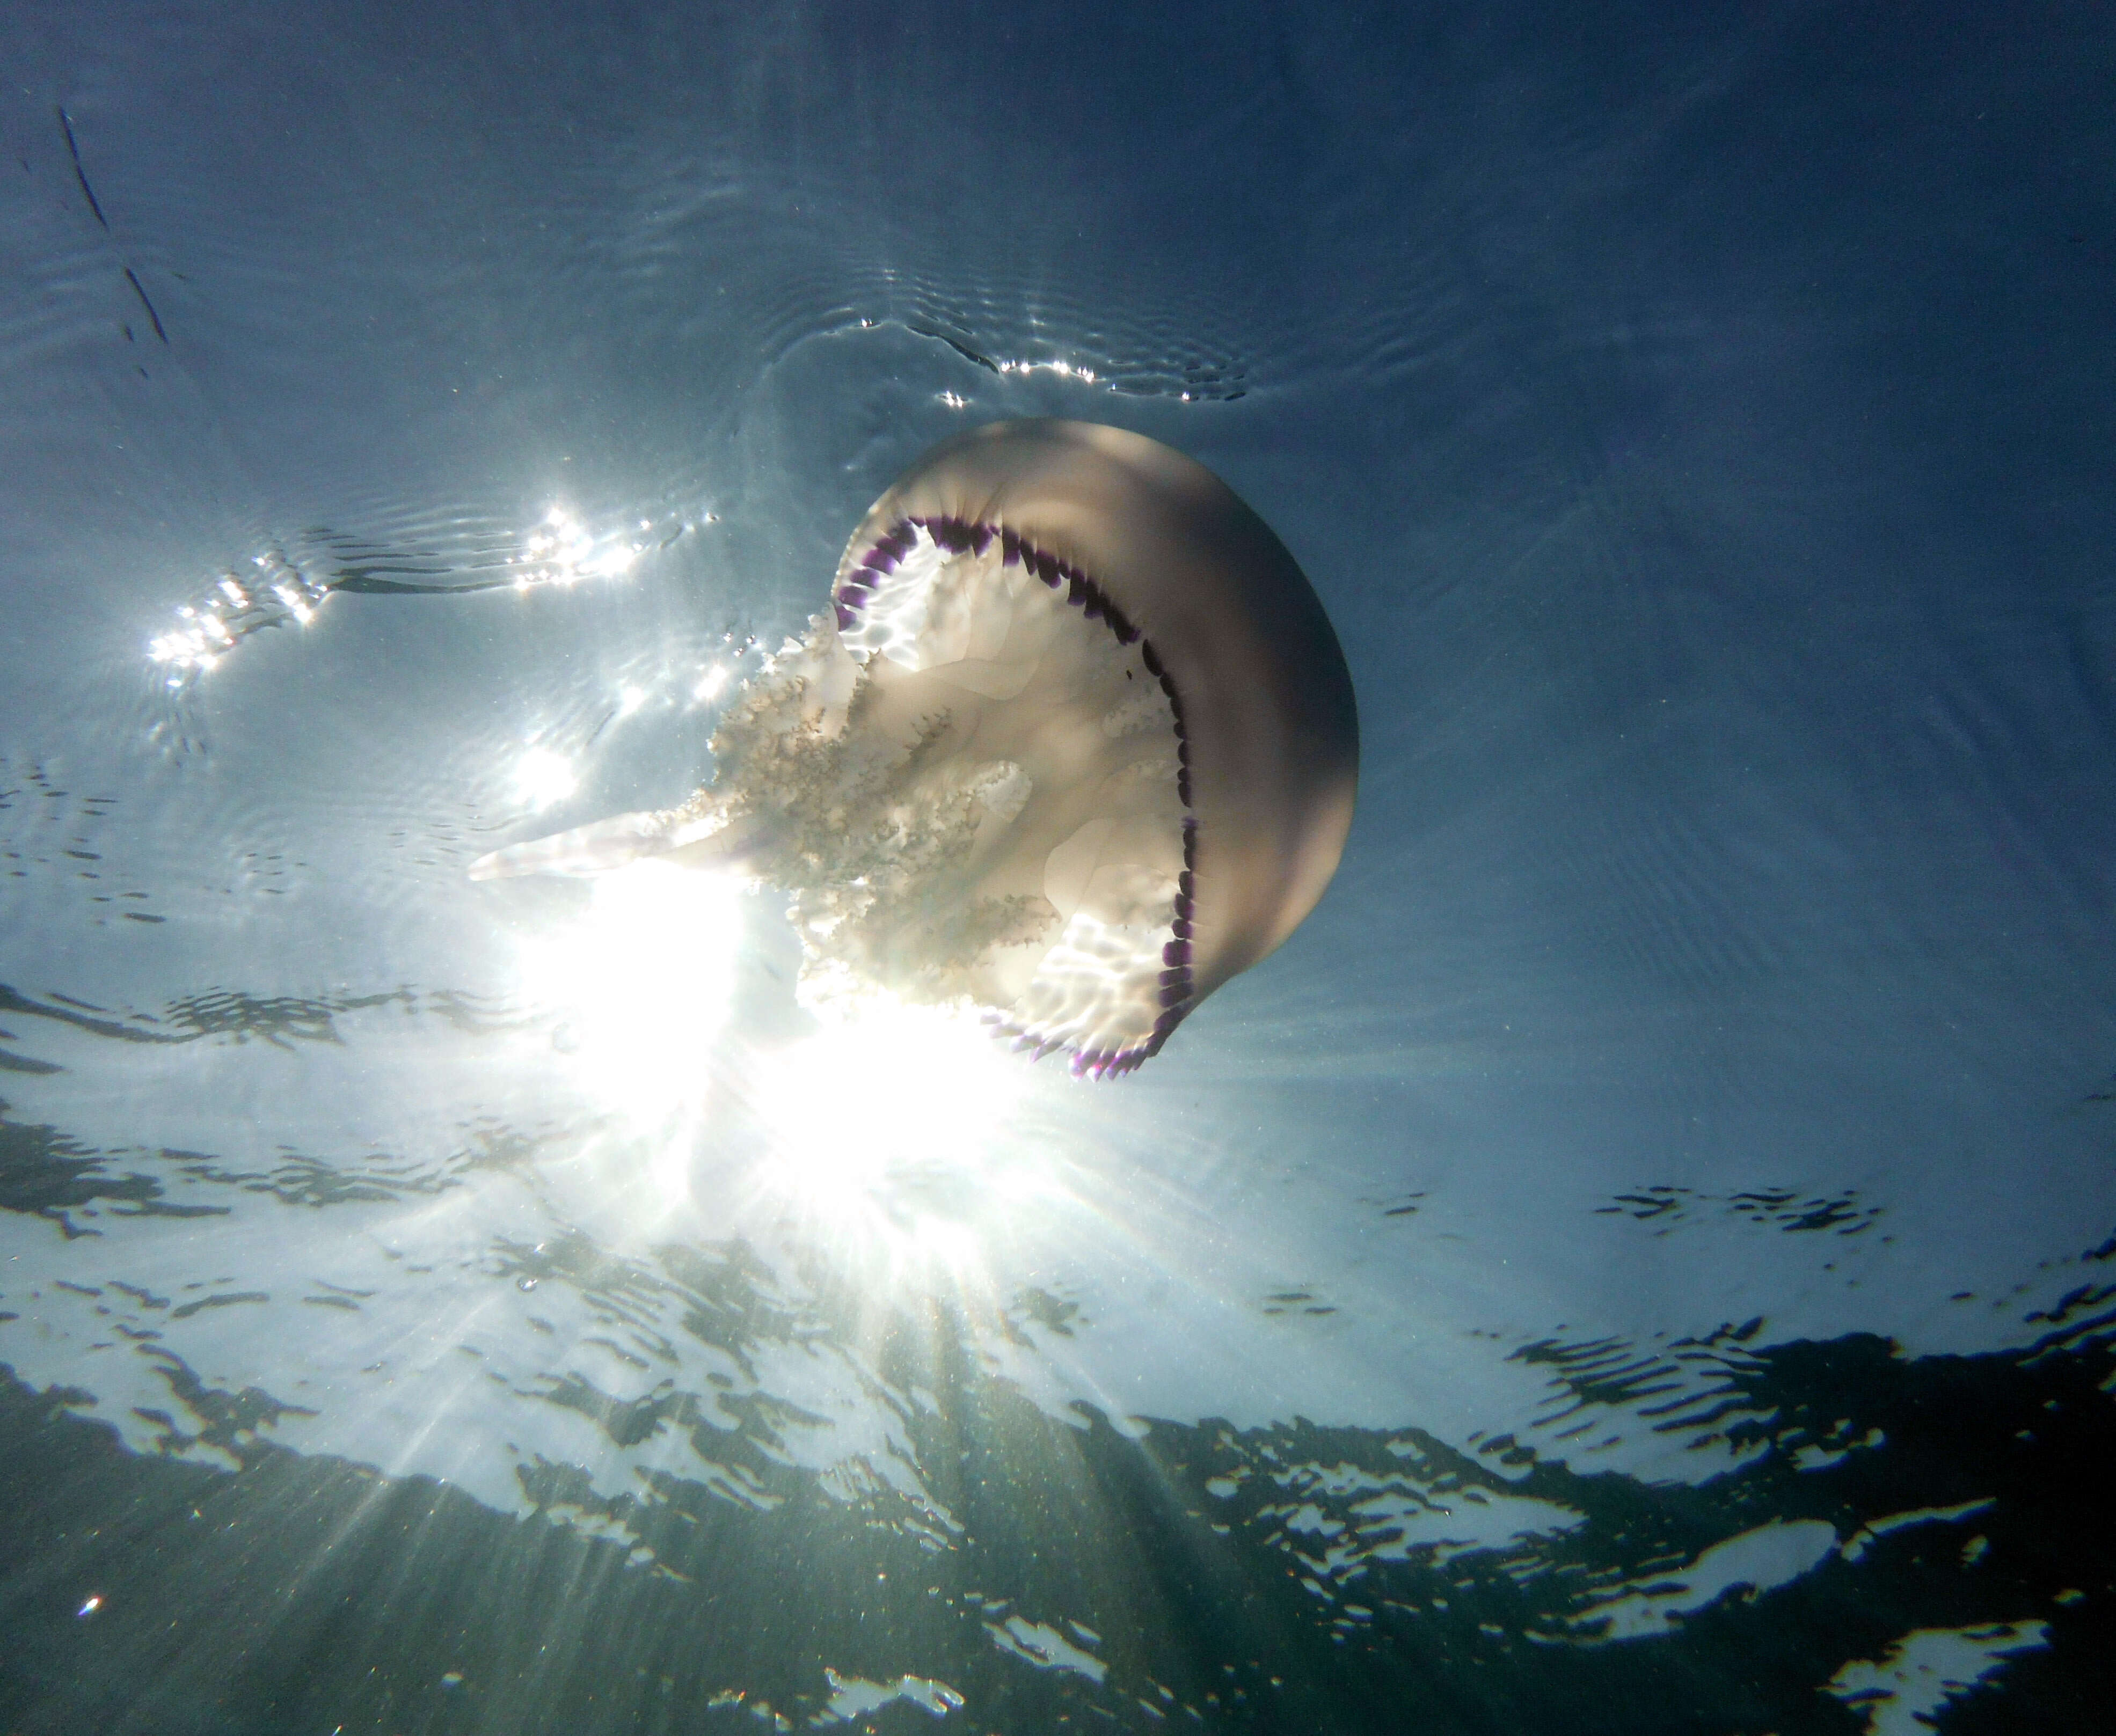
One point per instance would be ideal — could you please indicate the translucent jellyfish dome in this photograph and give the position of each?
(1075, 745)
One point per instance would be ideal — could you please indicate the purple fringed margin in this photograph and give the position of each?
(962, 536)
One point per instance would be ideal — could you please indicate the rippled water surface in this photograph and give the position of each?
(1641, 1258)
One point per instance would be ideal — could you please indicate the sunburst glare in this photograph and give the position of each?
(543, 776)
(891, 1120)
(643, 982)
(866, 1123)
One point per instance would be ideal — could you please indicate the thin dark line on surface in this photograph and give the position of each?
(976, 356)
(80, 174)
(363, 583)
(133, 279)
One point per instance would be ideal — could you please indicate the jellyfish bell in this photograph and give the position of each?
(1075, 744)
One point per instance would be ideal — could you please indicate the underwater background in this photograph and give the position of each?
(1641, 1258)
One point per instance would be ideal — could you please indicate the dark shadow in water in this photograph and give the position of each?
(1785, 1208)
(281, 1020)
(45, 1172)
(1157, 1582)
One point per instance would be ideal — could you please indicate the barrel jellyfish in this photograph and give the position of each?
(1075, 744)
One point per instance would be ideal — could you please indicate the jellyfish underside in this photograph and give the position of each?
(970, 790)
(1075, 746)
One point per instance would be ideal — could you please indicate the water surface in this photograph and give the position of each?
(1640, 1258)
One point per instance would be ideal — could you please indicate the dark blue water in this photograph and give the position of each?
(1641, 1258)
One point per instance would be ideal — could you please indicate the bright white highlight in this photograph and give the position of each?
(883, 1087)
(641, 985)
(1063, 370)
(562, 551)
(558, 550)
(542, 777)
(609, 564)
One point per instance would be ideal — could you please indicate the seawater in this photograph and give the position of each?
(1639, 1259)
